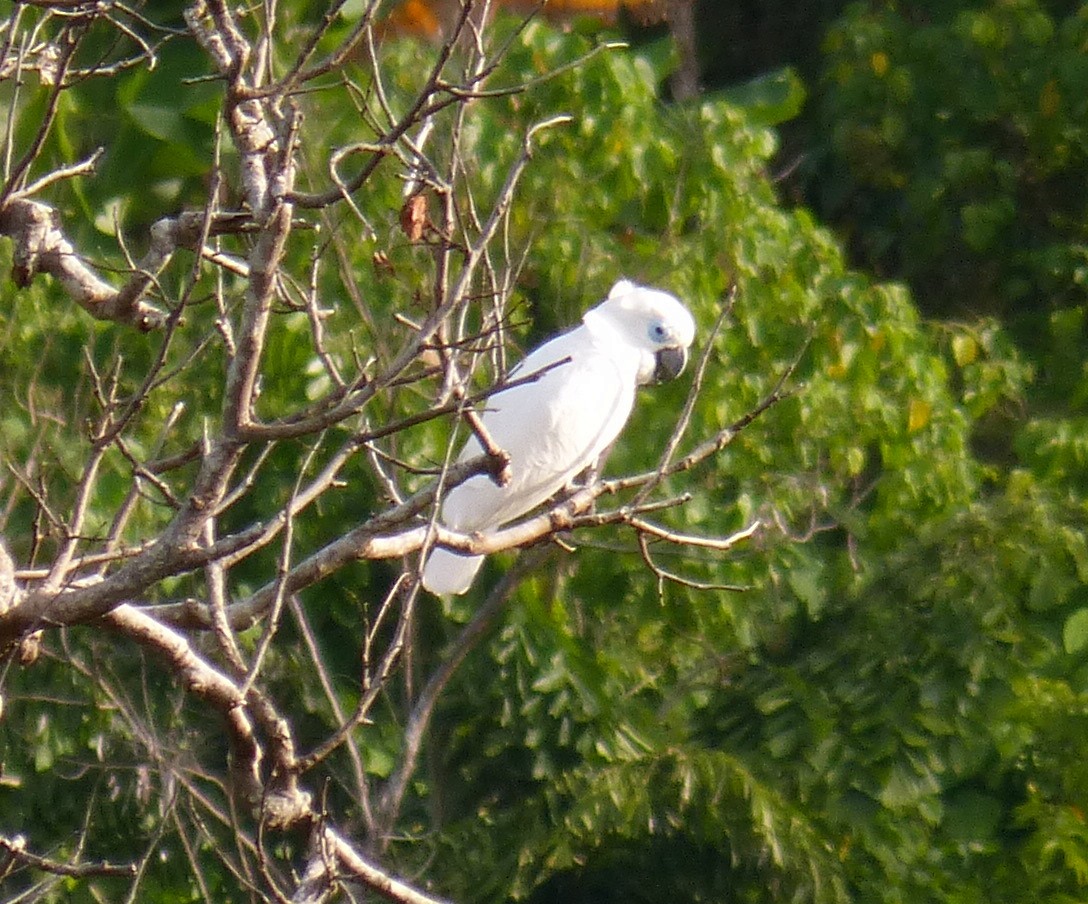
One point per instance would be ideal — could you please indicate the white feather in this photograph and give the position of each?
(556, 426)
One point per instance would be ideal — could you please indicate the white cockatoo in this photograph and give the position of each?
(556, 426)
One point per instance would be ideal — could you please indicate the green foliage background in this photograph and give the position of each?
(896, 707)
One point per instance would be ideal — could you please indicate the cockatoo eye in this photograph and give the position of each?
(658, 333)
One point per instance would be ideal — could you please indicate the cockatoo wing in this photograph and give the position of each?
(552, 427)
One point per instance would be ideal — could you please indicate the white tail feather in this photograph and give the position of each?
(449, 572)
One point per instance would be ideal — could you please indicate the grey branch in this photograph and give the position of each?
(332, 850)
(286, 804)
(40, 246)
(16, 849)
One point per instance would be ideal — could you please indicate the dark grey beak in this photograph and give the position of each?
(670, 364)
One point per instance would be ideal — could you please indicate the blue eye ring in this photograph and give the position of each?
(658, 333)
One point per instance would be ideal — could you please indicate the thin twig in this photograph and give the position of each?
(83, 168)
(470, 636)
(16, 847)
(693, 394)
(663, 575)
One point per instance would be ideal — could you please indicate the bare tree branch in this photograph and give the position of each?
(16, 849)
(41, 247)
(335, 851)
(285, 804)
(418, 722)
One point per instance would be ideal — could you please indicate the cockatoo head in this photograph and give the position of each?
(653, 323)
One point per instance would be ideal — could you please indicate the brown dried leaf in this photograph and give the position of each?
(413, 217)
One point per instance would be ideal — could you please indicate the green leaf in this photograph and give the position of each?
(972, 816)
(1075, 632)
(964, 349)
(769, 99)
